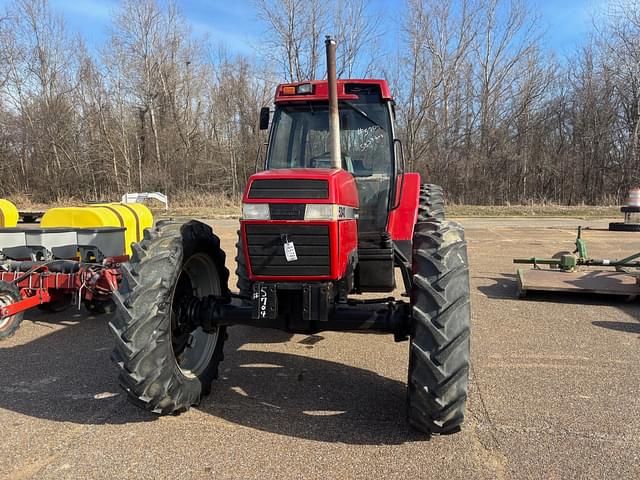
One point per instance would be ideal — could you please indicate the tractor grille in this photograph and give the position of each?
(289, 189)
(266, 250)
(287, 211)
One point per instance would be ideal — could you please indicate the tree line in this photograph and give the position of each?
(484, 108)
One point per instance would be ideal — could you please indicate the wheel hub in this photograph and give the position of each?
(192, 346)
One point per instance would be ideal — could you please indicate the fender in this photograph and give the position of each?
(403, 218)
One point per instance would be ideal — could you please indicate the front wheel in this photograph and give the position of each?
(439, 352)
(166, 366)
(9, 294)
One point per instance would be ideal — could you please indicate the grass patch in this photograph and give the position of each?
(181, 205)
(202, 206)
(221, 206)
(580, 211)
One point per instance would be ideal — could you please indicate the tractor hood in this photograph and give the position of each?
(302, 185)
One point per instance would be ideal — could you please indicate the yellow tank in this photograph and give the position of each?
(142, 216)
(8, 214)
(134, 217)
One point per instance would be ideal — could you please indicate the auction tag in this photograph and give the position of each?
(290, 252)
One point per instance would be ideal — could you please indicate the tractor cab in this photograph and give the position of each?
(300, 139)
(375, 203)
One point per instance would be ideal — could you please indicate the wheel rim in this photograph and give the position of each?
(6, 299)
(193, 349)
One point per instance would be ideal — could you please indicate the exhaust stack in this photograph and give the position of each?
(334, 118)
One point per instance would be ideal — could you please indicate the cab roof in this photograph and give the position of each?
(348, 89)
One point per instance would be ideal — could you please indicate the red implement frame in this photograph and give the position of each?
(43, 286)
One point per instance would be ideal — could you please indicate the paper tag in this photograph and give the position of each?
(290, 252)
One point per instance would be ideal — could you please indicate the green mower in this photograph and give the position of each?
(576, 272)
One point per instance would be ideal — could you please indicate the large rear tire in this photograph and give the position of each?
(439, 352)
(431, 206)
(9, 294)
(166, 367)
(624, 227)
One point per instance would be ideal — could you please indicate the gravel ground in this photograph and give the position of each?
(555, 390)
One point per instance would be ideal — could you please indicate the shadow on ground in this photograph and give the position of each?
(503, 287)
(300, 396)
(67, 376)
(630, 327)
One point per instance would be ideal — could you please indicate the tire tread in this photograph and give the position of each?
(441, 329)
(143, 352)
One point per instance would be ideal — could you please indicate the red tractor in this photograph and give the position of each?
(332, 216)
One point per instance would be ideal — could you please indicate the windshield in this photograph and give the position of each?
(301, 137)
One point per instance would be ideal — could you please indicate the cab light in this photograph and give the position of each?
(288, 90)
(255, 211)
(304, 89)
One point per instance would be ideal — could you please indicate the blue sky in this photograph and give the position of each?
(233, 22)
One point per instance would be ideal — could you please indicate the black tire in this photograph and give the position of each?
(57, 306)
(431, 206)
(439, 352)
(99, 307)
(164, 367)
(9, 294)
(245, 286)
(624, 227)
(630, 209)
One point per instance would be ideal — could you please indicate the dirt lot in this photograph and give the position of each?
(555, 390)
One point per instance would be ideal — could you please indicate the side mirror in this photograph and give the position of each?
(264, 118)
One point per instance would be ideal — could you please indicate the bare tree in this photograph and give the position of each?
(295, 30)
(482, 107)
(292, 41)
(357, 32)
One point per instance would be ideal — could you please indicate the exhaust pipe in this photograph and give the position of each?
(334, 118)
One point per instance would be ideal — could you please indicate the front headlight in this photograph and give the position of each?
(320, 211)
(255, 211)
(328, 211)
